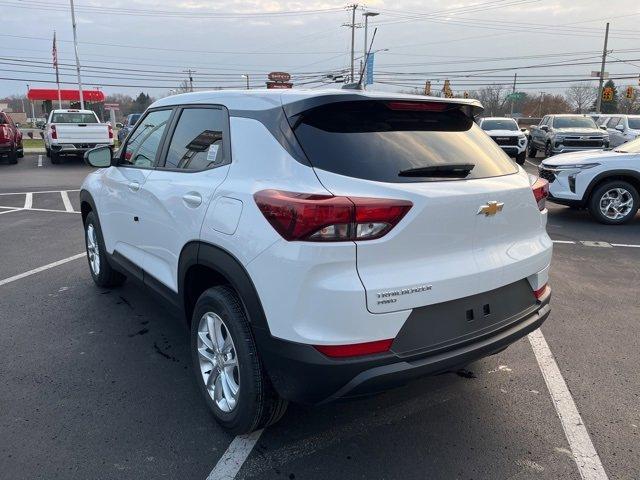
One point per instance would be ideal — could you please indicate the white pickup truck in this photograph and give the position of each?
(73, 132)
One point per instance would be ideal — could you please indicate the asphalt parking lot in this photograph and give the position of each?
(98, 383)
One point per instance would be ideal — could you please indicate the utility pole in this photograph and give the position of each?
(352, 26)
(513, 93)
(190, 73)
(75, 47)
(33, 113)
(602, 67)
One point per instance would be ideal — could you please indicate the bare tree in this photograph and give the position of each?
(545, 104)
(581, 97)
(493, 98)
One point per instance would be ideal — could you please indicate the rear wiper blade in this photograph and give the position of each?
(456, 170)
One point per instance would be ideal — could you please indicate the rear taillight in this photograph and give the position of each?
(540, 192)
(54, 134)
(3, 133)
(540, 292)
(326, 218)
(355, 350)
(110, 132)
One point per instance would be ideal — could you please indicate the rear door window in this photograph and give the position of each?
(376, 140)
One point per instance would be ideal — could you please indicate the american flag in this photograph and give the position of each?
(54, 51)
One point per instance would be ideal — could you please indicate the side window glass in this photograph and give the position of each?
(197, 142)
(545, 121)
(143, 143)
(613, 121)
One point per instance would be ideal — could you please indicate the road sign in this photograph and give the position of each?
(112, 106)
(465, 94)
(279, 85)
(607, 94)
(597, 74)
(279, 76)
(516, 96)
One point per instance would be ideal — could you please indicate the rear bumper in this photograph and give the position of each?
(569, 202)
(76, 148)
(302, 374)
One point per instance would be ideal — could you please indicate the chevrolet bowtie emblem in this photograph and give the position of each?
(491, 208)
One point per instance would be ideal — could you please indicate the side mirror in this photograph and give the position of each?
(545, 128)
(603, 127)
(99, 157)
(118, 125)
(523, 129)
(620, 128)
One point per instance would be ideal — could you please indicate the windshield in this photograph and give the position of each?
(503, 124)
(630, 147)
(376, 140)
(574, 122)
(634, 122)
(74, 117)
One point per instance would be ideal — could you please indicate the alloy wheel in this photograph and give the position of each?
(616, 203)
(92, 249)
(218, 362)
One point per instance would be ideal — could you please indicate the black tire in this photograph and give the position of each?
(106, 276)
(55, 158)
(600, 191)
(47, 152)
(548, 152)
(13, 157)
(532, 150)
(20, 151)
(521, 157)
(257, 404)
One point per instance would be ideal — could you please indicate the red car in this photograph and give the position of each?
(10, 139)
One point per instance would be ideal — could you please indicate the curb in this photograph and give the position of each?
(34, 150)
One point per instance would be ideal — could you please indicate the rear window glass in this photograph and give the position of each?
(73, 117)
(372, 141)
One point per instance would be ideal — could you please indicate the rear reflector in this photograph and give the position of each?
(540, 292)
(325, 218)
(420, 106)
(354, 350)
(110, 132)
(540, 190)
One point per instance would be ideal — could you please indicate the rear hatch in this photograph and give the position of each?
(79, 128)
(445, 247)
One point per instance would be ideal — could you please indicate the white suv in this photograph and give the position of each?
(607, 182)
(506, 133)
(321, 244)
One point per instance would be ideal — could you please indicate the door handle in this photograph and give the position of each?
(193, 199)
(134, 186)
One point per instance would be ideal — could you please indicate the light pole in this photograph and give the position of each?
(246, 75)
(75, 47)
(366, 16)
(33, 115)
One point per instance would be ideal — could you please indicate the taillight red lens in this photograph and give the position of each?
(326, 218)
(354, 350)
(419, 106)
(54, 134)
(540, 292)
(110, 132)
(540, 192)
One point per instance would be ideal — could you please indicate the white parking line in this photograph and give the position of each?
(232, 460)
(563, 241)
(584, 453)
(65, 200)
(42, 191)
(531, 163)
(11, 210)
(624, 245)
(28, 200)
(39, 160)
(41, 269)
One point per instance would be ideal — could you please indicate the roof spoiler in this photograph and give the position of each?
(469, 107)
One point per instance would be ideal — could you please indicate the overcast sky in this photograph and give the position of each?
(143, 45)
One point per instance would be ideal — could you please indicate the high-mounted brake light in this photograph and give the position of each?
(540, 292)
(540, 190)
(110, 132)
(54, 134)
(326, 218)
(354, 350)
(419, 106)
